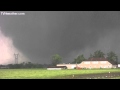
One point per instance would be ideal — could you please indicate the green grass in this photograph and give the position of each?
(47, 74)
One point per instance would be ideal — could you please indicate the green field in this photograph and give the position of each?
(47, 74)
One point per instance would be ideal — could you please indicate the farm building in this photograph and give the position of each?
(92, 63)
(56, 67)
(97, 63)
(69, 66)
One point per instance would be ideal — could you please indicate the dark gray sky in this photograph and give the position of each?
(40, 34)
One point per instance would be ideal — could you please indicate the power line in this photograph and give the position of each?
(16, 58)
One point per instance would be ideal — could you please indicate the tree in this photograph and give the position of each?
(79, 59)
(56, 59)
(98, 54)
(91, 56)
(111, 56)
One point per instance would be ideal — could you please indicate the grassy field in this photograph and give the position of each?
(47, 74)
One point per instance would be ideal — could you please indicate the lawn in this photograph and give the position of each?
(47, 74)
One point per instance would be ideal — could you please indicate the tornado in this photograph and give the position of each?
(7, 51)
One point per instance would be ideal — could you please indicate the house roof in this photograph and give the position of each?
(101, 59)
(97, 59)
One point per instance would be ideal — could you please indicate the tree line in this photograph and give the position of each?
(57, 59)
(25, 65)
(111, 56)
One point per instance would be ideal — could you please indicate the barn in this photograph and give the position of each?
(56, 67)
(69, 66)
(92, 63)
(97, 63)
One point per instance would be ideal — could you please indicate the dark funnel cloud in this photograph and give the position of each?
(41, 34)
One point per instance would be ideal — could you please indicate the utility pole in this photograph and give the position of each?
(16, 58)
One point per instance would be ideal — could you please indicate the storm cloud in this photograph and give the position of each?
(40, 34)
